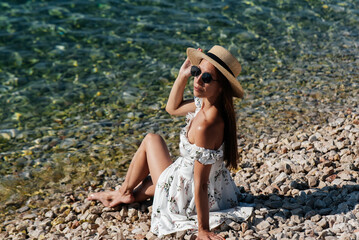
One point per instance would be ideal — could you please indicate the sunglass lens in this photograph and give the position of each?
(195, 71)
(206, 77)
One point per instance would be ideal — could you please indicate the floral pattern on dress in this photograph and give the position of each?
(174, 205)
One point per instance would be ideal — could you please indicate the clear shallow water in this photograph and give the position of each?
(81, 82)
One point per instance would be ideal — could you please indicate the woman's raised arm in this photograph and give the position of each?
(175, 104)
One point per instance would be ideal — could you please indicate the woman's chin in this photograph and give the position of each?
(197, 94)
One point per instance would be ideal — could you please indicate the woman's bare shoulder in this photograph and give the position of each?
(209, 132)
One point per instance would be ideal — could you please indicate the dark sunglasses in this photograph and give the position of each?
(206, 77)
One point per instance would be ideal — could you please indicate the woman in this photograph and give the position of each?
(196, 191)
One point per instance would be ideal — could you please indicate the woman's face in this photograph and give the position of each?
(206, 90)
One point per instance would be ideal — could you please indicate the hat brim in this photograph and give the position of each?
(195, 56)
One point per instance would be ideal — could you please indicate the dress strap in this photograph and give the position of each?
(198, 102)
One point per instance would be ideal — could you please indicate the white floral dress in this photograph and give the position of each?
(174, 207)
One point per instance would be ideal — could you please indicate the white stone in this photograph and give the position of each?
(144, 227)
(263, 225)
(137, 231)
(281, 178)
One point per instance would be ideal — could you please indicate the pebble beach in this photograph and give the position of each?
(82, 83)
(304, 185)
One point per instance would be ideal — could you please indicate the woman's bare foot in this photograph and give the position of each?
(112, 198)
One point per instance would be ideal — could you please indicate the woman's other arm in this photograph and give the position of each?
(203, 138)
(201, 175)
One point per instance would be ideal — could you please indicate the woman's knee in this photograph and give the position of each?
(153, 137)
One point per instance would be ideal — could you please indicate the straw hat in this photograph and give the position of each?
(224, 61)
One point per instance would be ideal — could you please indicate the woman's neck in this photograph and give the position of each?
(210, 102)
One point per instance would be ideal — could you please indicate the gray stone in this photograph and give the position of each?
(314, 137)
(231, 238)
(85, 207)
(23, 209)
(8, 133)
(70, 217)
(21, 227)
(68, 143)
(327, 235)
(285, 167)
(340, 145)
(323, 223)
(327, 200)
(50, 214)
(345, 175)
(337, 182)
(296, 145)
(290, 206)
(96, 210)
(137, 231)
(234, 225)
(316, 218)
(263, 225)
(91, 218)
(312, 181)
(321, 147)
(281, 178)
(29, 216)
(347, 236)
(325, 211)
(36, 233)
(297, 211)
(124, 212)
(82, 217)
(151, 236)
(295, 219)
(343, 207)
(273, 204)
(337, 122)
(144, 227)
(46, 223)
(179, 235)
(310, 214)
(307, 144)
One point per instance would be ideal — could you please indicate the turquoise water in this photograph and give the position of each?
(81, 82)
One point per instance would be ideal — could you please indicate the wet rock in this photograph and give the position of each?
(68, 143)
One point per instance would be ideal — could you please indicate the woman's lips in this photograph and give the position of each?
(197, 89)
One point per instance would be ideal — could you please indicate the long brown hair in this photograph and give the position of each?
(230, 124)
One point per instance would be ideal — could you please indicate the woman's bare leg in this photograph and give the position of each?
(152, 157)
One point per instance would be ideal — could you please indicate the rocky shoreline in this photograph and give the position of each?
(304, 185)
